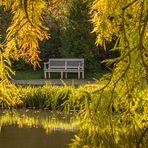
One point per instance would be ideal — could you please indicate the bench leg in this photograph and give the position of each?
(78, 75)
(82, 75)
(45, 75)
(49, 75)
(61, 75)
(66, 75)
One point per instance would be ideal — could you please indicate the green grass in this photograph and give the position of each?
(28, 74)
(39, 74)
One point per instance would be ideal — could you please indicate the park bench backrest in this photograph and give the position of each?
(65, 63)
(56, 64)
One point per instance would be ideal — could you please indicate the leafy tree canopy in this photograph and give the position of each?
(111, 115)
(128, 21)
(115, 114)
(22, 40)
(24, 32)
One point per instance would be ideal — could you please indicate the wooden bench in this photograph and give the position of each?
(64, 66)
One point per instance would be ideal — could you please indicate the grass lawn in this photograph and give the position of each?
(39, 74)
(28, 74)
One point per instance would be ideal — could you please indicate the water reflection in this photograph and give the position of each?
(36, 129)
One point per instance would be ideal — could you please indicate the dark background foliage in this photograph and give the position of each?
(77, 41)
(70, 37)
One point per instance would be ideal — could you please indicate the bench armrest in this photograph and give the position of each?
(46, 65)
(81, 66)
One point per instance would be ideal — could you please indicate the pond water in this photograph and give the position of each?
(36, 129)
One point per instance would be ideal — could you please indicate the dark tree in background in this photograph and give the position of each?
(77, 40)
(108, 53)
(5, 19)
(50, 48)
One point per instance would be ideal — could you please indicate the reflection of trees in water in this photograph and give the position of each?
(53, 121)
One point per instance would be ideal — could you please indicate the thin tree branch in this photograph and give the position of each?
(141, 137)
(140, 42)
(128, 5)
